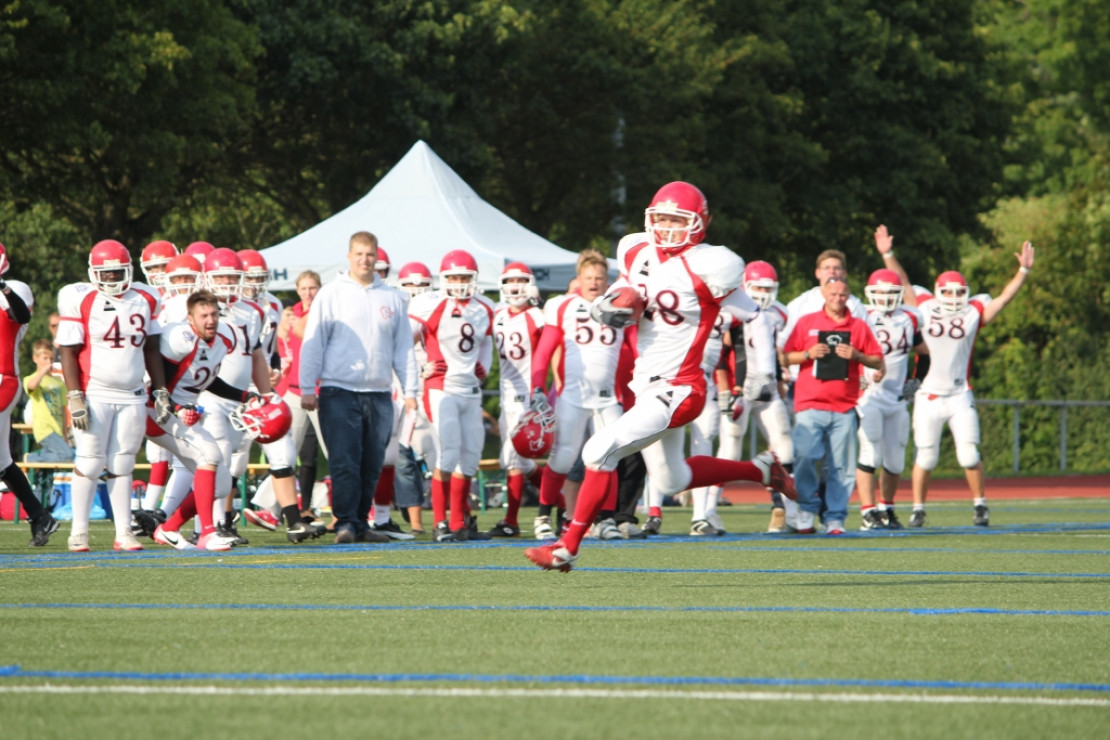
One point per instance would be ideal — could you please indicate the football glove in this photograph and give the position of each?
(78, 411)
(163, 407)
(188, 413)
(431, 369)
(604, 312)
(910, 388)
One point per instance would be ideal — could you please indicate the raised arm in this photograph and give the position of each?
(1025, 264)
(884, 243)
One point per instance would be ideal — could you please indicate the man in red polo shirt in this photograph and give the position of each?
(830, 345)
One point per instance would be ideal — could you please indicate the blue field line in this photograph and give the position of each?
(914, 611)
(15, 671)
(209, 563)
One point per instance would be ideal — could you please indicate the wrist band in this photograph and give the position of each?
(889, 253)
(1023, 270)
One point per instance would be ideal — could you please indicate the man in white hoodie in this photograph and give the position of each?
(356, 338)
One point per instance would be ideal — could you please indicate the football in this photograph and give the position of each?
(628, 297)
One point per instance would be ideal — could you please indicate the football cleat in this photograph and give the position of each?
(231, 532)
(392, 531)
(541, 527)
(775, 475)
(552, 557)
(982, 516)
(262, 518)
(172, 538)
(917, 519)
(143, 523)
(443, 533)
(835, 527)
(702, 528)
(302, 531)
(504, 529)
(42, 528)
(630, 531)
(127, 543)
(606, 529)
(871, 519)
(715, 520)
(472, 531)
(215, 542)
(79, 542)
(890, 519)
(653, 525)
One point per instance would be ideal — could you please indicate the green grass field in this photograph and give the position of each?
(949, 631)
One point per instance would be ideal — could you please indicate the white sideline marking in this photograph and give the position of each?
(495, 693)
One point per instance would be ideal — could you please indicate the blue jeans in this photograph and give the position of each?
(408, 483)
(829, 438)
(356, 428)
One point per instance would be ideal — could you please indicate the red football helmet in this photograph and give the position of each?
(415, 278)
(685, 201)
(223, 274)
(153, 261)
(184, 275)
(951, 292)
(265, 419)
(382, 265)
(200, 250)
(884, 290)
(458, 262)
(110, 267)
(518, 285)
(256, 277)
(534, 435)
(761, 283)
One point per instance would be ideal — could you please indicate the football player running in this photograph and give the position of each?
(952, 322)
(685, 284)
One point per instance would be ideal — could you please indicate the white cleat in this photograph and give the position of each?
(172, 538)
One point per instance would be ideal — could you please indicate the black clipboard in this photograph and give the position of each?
(832, 366)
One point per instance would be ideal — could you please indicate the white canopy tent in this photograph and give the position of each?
(420, 211)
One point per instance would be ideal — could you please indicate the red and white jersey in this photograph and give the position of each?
(684, 295)
(761, 340)
(516, 333)
(109, 332)
(246, 320)
(11, 332)
(191, 363)
(715, 344)
(951, 339)
(587, 369)
(458, 334)
(175, 309)
(897, 333)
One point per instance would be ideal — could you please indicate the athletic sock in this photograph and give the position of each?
(707, 471)
(514, 489)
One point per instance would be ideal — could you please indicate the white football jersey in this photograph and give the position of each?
(587, 370)
(458, 334)
(761, 339)
(897, 333)
(516, 333)
(192, 364)
(950, 338)
(109, 332)
(272, 307)
(247, 320)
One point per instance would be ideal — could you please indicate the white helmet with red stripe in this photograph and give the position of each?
(415, 278)
(518, 285)
(455, 264)
(951, 292)
(884, 290)
(110, 267)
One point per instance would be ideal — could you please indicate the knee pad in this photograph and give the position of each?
(281, 472)
(561, 460)
(90, 467)
(121, 465)
(967, 454)
(927, 457)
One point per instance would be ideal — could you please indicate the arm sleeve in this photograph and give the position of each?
(550, 340)
(17, 308)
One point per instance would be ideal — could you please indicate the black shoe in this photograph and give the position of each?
(143, 523)
(369, 535)
(392, 531)
(302, 531)
(345, 534)
(444, 533)
(654, 525)
(504, 529)
(229, 530)
(194, 538)
(890, 519)
(872, 520)
(472, 531)
(42, 528)
(917, 518)
(982, 516)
